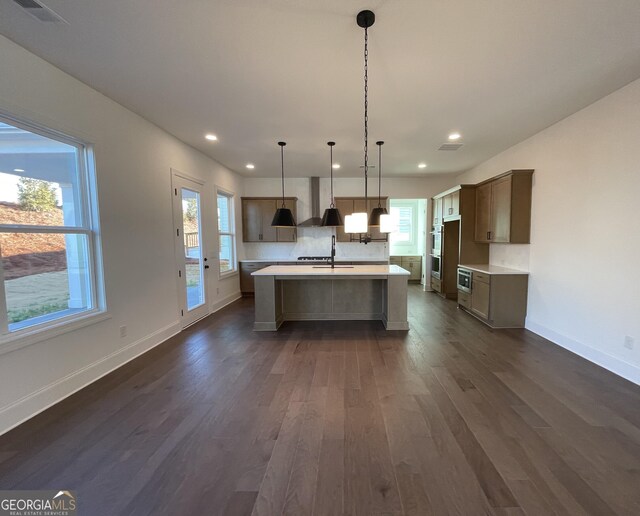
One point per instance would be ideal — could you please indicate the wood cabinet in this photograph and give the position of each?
(349, 205)
(451, 205)
(457, 235)
(246, 280)
(287, 234)
(503, 208)
(413, 264)
(257, 214)
(437, 211)
(498, 300)
(480, 298)
(345, 206)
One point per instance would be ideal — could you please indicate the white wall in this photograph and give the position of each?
(133, 160)
(585, 240)
(317, 241)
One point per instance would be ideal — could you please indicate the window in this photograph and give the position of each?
(47, 231)
(226, 234)
(404, 220)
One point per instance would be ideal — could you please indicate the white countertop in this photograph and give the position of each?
(310, 270)
(491, 269)
(293, 260)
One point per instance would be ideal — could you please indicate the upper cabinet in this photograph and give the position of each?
(503, 208)
(349, 205)
(437, 211)
(451, 205)
(446, 206)
(257, 214)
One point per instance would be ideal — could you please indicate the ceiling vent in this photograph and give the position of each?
(40, 11)
(450, 146)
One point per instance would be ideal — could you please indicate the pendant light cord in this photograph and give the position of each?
(379, 171)
(366, 111)
(282, 169)
(332, 205)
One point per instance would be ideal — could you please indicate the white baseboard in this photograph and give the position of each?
(227, 300)
(25, 408)
(610, 363)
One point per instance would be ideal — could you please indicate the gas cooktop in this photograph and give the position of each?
(313, 258)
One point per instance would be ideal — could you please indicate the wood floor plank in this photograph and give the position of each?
(342, 418)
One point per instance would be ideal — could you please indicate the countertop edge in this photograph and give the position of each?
(495, 270)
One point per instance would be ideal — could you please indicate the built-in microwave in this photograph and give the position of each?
(436, 265)
(436, 241)
(464, 280)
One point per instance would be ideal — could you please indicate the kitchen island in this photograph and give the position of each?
(313, 293)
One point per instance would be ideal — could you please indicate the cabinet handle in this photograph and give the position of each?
(488, 235)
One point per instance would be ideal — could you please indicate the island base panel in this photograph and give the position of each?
(281, 299)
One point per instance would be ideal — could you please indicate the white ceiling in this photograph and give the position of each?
(257, 71)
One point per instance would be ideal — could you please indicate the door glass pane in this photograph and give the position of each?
(192, 248)
(38, 180)
(46, 276)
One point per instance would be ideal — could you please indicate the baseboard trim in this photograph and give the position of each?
(610, 363)
(225, 301)
(32, 404)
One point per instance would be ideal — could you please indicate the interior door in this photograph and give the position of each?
(190, 259)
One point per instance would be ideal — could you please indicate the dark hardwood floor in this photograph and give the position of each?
(342, 418)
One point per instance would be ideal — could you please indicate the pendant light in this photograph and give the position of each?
(358, 222)
(283, 217)
(331, 217)
(376, 213)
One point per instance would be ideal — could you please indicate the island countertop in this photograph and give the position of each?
(324, 270)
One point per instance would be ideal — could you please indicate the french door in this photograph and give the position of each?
(190, 258)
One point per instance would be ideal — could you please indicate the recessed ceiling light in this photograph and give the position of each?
(211, 137)
(422, 165)
(250, 166)
(18, 170)
(336, 166)
(454, 136)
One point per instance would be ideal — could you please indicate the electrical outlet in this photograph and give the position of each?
(217, 292)
(628, 342)
(123, 331)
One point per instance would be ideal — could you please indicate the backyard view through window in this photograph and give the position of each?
(403, 217)
(46, 240)
(226, 233)
(192, 248)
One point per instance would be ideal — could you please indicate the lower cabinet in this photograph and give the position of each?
(436, 284)
(480, 293)
(464, 299)
(246, 279)
(413, 264)
(499, 300)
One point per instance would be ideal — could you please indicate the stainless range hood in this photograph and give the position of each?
(316, 218)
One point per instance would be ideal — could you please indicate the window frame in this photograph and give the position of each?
(89, 226)
(232, 226)
(414, 224)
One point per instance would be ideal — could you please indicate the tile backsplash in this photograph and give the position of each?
(316, 242)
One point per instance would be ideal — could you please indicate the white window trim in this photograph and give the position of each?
(232, 222)
(11, 341)
(414, 223)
